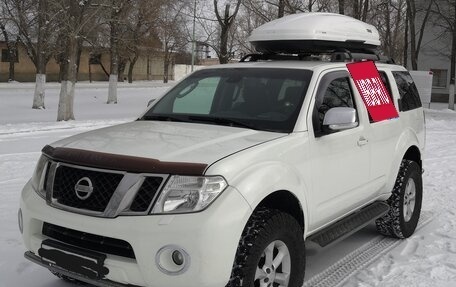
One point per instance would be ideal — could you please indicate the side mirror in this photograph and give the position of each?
(150, 102)
(340, 118)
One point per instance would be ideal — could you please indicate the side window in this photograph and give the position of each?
(387, 84)
(410, 98)
(335, 93)
(197, 100)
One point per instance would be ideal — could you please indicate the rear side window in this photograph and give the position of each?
(386, 83)
(410, 98)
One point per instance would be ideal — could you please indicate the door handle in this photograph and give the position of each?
(362, 141)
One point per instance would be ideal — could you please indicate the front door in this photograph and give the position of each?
(340, 160)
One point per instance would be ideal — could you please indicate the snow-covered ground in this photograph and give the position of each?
(365, 259)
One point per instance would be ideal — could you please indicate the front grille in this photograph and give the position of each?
(106, 245)
(104, 185)
(146, 194)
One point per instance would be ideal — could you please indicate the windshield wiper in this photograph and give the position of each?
(164, 118)
(222, 121)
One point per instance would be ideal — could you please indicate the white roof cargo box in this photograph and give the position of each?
(314, 32)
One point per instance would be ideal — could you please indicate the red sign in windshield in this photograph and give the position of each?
(372, 90)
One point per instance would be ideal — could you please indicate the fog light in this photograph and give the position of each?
(178, 258)
(20, 221)
(172, 260)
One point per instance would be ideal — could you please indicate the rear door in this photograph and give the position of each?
(385, 135)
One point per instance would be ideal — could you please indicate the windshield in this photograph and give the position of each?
(256, 98)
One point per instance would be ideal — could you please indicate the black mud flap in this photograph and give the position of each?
(73, 259)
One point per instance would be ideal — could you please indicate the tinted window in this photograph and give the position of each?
(338, 93)
(410, 98)
(257, 98)
(386, 83)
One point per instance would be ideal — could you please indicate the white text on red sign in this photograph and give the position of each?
(373, 92)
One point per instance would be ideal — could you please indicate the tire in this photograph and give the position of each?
(69, 279)
(400, 221)
(269, 234)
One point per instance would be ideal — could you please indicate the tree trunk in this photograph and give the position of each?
(38, 98)
(69, 78)
(342, 7)
(411, 17)
(113, 77)
(11, 68)
(281, 11)
(310, 5)
(406, 43)
(166, 66)
(79, 53)
(148, 68)
(453, 63)
(61, 111)
(388, 42)
(122, 65)
(356, 9)
(365, 11)
(40, 83)
(130, 69)
(224, 57)
(225, 25)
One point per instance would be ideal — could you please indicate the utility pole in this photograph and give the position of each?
(453, 64)
(193, 36)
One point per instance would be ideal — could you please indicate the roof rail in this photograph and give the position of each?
(338, 55)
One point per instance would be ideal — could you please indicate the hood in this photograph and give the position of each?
(169, 141)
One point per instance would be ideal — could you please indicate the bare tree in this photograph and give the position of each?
(170, 32)
(36, 30)
(140, 35)
(226, 23)
(11, 47)
(445, 11)
(74, 19)
(358, 8)
(416, 33)
(118, 11)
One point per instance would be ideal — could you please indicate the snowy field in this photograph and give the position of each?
(426, 259)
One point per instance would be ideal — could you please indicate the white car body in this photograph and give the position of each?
(317, 179)
(331, 176)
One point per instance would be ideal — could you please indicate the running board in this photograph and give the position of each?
(350, 224)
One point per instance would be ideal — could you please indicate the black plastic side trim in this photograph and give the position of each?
(349, 224)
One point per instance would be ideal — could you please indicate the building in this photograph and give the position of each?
(435, 55)
(92, 66)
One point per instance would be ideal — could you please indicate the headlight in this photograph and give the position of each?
(38, 176)
(189, 193)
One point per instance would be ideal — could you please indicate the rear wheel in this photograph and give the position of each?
(271, 252)
(405, 203)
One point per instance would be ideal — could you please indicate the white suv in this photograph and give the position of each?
(225, 177)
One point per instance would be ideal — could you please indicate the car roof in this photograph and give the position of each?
(292, 64)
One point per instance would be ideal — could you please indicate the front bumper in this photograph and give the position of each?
(101, 283)
(209, 237)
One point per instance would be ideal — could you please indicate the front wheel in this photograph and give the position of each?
(405, 203)
(271, 252)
